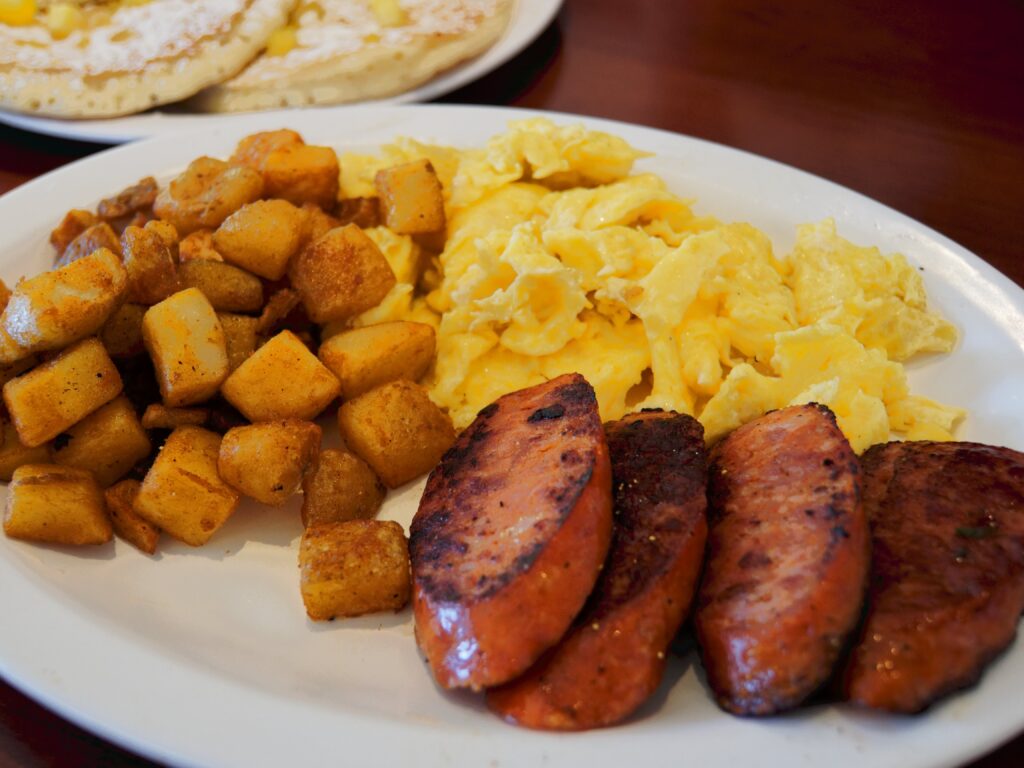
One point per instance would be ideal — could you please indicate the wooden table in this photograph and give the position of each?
(918, 104)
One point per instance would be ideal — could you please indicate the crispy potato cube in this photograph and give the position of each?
(253, 149)
(198, 246)
(341, 487)
(318, 222)
(56, 505)
(138, 197)
(152, 269)
(186, 342)
(301, 174)
(108, 442)
(364, 212)
(228, 288)
(262, 237)
(282, 380)
(396, 429)
(353, 568)
(240, 335)
(206, 193)
(8, 372)
(268, 461)
(127, 524)
(122, 333)
(341, 275)
(411, 199)
(56, 308)
(51, 397)
(364, 358)
(97, 236)
(277, 308)
(159, 416)
(14, 453)
(182, 493)
(74, 223)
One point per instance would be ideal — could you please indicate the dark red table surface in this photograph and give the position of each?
(918, 104)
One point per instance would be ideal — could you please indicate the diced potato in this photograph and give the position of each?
(152, 269)
(277, 308)
(159, 416)
(282, 380)
(108, 442)
(198, 246)
(318, 222)
(56, 308)
(228, 288)
(364, 358)
(97, 236)
(341, 275)
(364, 212)
(186, 342)
(14, 453)
(127, 523)
(396, 429)
(300, 173)
(182, 493)
(138, 197)
(8, 372)
(51, 397)
(240, 335)
(342, 487)
(269, 460)
(253, 149)
(262, 237)
(411, 198)
(354, 568)
(206, 193)
(56, 505)
(122, 333)
(74, 223)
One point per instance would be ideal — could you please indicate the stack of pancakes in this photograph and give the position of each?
(124, 56)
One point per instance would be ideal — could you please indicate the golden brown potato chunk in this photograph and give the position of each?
(182, 493)
(364, 212)
(126, 521)
(318, 222)
(342, 487)
(56, 308)
(228, 288)
(277, 308)
(281, 380)
(149, 259)
(122, 333)
(341, 275)
(253, 149)
(300, 173)
(240, 333)
(159, 416)
(97, 236)
(108, 442)
(13, 453)
(364, 358)
(262, 237)
(268, 461)
(74, 223)
(397, 430)
(56, 505)
(206, 193)
(186, 342)
(5, 295)
(411, 199)
(50, 398)
(8, 372)
(198, 246)
(138, 197)
(353, 568)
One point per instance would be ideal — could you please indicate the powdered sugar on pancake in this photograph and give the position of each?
(131, 39)
(349, 26)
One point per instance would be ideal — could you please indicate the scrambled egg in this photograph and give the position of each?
(558, 259)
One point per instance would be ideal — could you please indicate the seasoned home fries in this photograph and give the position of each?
(201, 338)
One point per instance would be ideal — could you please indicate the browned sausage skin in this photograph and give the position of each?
(947, 575)
(614, 657)
(788, 553)
(510, 534)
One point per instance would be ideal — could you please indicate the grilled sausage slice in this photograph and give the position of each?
(947, 575)
(614, 657)
(788, 552)
(510, 534)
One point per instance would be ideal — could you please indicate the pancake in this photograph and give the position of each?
(131, 57)
(343, 53)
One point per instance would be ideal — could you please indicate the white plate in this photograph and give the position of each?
(205, 656)
(529, 19)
